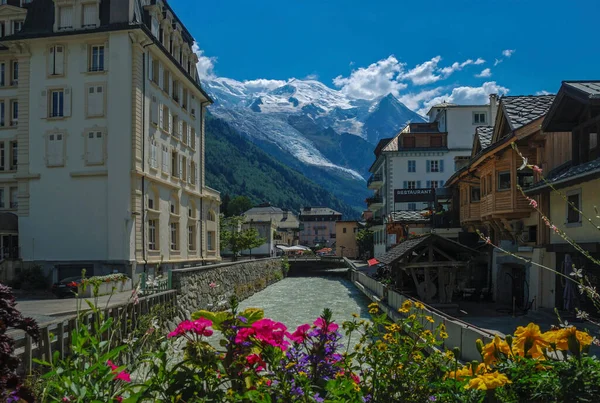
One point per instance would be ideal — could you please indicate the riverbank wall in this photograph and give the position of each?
(211, 287)
(460, 334)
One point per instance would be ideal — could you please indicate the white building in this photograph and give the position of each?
(104, 150)
(419, 159)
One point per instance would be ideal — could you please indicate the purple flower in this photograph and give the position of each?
(318, 398)
(242, 319)
(432, 398)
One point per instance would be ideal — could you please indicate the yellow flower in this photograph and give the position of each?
(530, 338)
(429, 319)
(489, 381)
(356, 387)
(388, 337)
(355, 315)
(419, 305)
(555, 337)
(412, 317)
(491, 350)
(449, 354)
(302, 373)
(407, 304)
(357, 347)
(393, 328)
(403, 310)
(560, 338)
(400, 367)
(373, 305)
(417, 357)
(290, 365)
(443, 335)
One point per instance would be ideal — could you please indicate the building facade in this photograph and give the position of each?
(419, 159)
(317, 226)
(287, 225)
(345, 242)
(109, 142)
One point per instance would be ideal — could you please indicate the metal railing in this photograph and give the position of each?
(374, 200)
(153, 284)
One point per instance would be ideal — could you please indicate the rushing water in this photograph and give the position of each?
(298, 300)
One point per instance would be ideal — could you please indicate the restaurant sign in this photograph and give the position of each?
(414, 195)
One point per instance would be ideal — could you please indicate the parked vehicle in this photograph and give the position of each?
(66, 287)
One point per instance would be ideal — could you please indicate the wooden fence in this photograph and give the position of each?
(56, 336)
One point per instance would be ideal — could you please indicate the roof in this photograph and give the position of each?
(570, 105)
(484, 134)
(264, 210)
(421, 127)
(566, 173)
(382, 143)
(591, 88)
(312, 211)
(408, 216)
(521, 110)
(402, 249)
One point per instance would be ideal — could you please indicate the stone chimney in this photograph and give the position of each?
(493, 108)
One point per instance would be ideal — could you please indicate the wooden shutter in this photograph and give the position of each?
(180, 129)
(181, 163)
(441, 165)
(191, 141)
(160, 75)
(161, 118)
(67, 101)
(43, 105)
(428, 165)
(418, 184)
(170, 122)
(85, 59)
(405, 185)
(59, 62)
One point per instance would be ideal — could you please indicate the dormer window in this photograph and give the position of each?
(17, 26)
(90, 15)
(65, 17)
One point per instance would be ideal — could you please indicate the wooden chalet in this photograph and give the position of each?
(434, 265)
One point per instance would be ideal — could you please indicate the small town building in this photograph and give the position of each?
(102, 139)
(345, 239)
(317, 226)
(287, 223)
(411, 166)
(266, 230)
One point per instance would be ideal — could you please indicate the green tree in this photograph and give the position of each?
(365, 240)
(238, 206)
(236, 239)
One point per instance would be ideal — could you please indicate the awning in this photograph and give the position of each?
(372, 262)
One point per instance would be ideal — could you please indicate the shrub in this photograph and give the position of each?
(32, 278)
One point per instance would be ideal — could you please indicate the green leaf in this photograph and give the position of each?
(253, 315)
(217, 318)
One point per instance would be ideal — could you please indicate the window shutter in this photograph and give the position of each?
(405, 185)
(44, 105)
(67, 100)
(428, 184)
(408, 166)
(160, 75)
(441, 165)
(170, 122)
(418, 184)
(181, 167)
(191, 141)
(428, 164)
(106, 56)
(180, 129)
(161, 118)
(60, 59)
(189, 173)
(85, 60)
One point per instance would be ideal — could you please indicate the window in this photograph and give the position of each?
(57, 103)
(2, 114)
(17, 26)
(412, 166)
(192, 172)
(409, 142)
(593, 141)
(2, 74)
(14, 155)
(95, 101)
(410, 185)
(212, 216)
(432, 184)
(165, 159)
(155, 71)
(479, 118)
(152, 225)
(412, 206)
(56, 64)
(14, 197)
(14, 107)
(174, 236)
(192, 237)
(344, 230)
(435, 166)
(503, 180)
(15, 73)
(525, 178)
(94, 148)
(90, 15)
(573, 207)
(154, 111)
(175, 94)
(475, 194)
(153, 155)
(183, 168)
(2, 198)
(2, 157)
(65, 17)
(193, 137)
(55, 155)
(154, 27)
(176, 127)
(166, 81)
(210, 240)
(151, 201)
(174, 162)
(184, 100)
(185, 134)
(166, 119)
(96, 58)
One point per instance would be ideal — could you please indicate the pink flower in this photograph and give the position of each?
(300, 334)
(253, 359)
(119, 399)
(537, 169)
(112, 366)
(123, 376)
(533, 203)
(243, 334)
(198, 326)
(213, 285)
(355, 378)
(553, 228)
(488, 240)
(271, 332)
(331, 327)
(268, 382)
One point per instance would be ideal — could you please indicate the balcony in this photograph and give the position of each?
(374, 202)
(375, 182)
(375, 222)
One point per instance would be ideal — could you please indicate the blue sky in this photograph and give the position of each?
(400, 46)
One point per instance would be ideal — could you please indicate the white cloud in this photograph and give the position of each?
(497, 62)
(264, 84)
(543, 92)
(379, 79)
(508, 52)
(484, 73)
(479, 61)
(413, 100)
(206, 65)
(466, 95)
(312, 77)
(423, 73)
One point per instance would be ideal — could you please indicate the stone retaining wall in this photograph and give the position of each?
(211, 287)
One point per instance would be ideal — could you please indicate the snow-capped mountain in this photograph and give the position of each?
(307, 125)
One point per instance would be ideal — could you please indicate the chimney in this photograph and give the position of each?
(493, 108)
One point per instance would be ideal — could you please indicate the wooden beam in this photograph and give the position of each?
(434, 265)
(444, 254)
(419, 256)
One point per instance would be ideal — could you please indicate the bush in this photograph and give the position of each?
(31, 279)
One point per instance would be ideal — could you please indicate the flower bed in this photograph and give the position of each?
(104, 285)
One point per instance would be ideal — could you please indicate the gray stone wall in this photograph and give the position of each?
(211, 287)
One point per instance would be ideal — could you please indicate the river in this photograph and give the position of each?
(298, 300)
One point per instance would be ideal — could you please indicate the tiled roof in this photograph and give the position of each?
(484, 133)
(311, 211)
(592, 88)
(408, 216)
(264, 210)
(521, 110)
(402, 249)
(566, 172)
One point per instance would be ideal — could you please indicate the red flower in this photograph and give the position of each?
(300, 334)
(243, 334)
(355, 378)
(198, 326)
(271, 332)
(122, 376)
(73, 284)
(119, 399)
(331, 327)
(253, 359)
